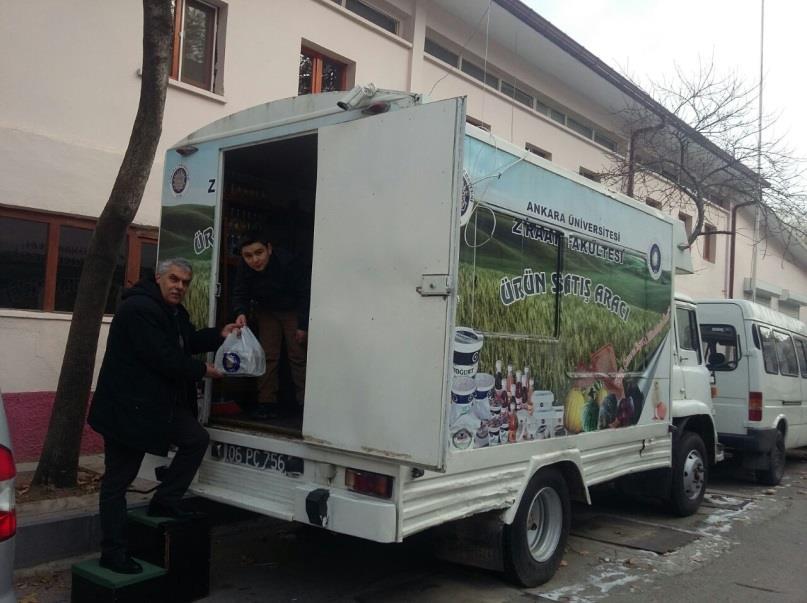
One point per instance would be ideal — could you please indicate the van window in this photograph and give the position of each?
(687, 326)
(769, 350)
(721, 339)
(801, 351)
(786, 353)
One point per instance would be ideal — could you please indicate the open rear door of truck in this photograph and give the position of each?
(386, 231)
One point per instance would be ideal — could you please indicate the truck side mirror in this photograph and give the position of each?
(715, 360)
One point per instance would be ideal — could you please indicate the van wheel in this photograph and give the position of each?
(534, 543)
(689, 475)
(776, 468)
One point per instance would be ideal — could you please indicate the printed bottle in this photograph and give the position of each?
(512, 431)
(498, 377)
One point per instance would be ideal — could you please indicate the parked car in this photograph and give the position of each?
(8, 513)
(758, 357)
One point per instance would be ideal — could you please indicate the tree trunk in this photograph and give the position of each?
(58, 465)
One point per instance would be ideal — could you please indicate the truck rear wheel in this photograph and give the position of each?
(534, 543)
(689, 475)
(776, 468)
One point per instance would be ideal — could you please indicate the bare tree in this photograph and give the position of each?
(58, 465)
(702, 144)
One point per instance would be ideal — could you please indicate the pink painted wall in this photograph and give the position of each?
(28, 414)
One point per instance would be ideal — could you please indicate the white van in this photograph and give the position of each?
(489, 335)
(758, 358)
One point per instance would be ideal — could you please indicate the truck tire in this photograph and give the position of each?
(534, 543)
(776, 467)
(689, 475)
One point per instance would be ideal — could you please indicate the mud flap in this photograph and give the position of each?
(477, 541)
(316, 507)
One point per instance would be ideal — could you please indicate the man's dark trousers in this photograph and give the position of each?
(121, 466)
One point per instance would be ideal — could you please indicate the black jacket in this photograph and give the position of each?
(283, 285)
(147, 371)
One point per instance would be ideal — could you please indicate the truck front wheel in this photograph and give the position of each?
(534, 543)
(689, 475)
(776, 468)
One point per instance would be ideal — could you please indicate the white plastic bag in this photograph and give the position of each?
(241, 356)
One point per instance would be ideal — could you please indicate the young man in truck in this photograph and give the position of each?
(277, 285)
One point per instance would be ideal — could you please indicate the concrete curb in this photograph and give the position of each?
(75, 531)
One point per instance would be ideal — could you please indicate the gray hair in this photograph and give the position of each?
(164, 265)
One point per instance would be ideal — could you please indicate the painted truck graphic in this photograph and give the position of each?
(562, 313)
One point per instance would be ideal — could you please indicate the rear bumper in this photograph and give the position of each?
(283, 497)
(755, 440)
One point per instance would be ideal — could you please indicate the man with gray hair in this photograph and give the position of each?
(145, 401)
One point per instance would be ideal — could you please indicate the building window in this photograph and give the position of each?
(41, 256)
(478, 123)
(370, 13)
(320, 73)
(517, 94)
(23, 251)
(197, 43)
(557, 116)
(439, 52)
(653, 203)
(709, 243)
(478, 73)
(603, 140)
(581, 129)
(538, 151)
(589, 174)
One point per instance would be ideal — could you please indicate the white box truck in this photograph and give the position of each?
(489, 335)
(758, 359)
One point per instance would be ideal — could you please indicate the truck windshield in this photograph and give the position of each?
(720, 340)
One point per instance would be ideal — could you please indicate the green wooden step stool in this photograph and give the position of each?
(95, 584)
(181, 547)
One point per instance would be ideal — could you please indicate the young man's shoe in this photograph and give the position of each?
(121, 565)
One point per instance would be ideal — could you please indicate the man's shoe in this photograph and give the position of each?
(121, 565)
(171, 512)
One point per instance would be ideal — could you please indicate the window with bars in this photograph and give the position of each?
(41, 256)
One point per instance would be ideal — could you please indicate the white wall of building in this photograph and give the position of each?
(70, 94)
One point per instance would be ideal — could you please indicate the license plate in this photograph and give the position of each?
(258, 459)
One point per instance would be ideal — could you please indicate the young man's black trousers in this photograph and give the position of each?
(121, 466)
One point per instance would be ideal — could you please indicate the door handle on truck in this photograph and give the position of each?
(434, 285)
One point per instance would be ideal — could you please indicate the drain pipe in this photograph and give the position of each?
(733, 239)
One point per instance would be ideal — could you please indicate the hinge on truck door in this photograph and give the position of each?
(434, 284)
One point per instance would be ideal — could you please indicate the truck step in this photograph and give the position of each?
(181, 547)
(95, 584)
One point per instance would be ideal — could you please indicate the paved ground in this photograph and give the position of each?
(744, 544)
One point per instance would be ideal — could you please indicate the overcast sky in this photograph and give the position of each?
(647, 38)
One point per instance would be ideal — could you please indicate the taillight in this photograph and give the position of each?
(365, 482)
(754, 406)
(8, 512)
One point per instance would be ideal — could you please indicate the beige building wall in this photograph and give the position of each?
(69, 97)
